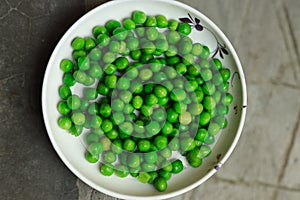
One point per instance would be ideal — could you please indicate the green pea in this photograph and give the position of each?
(187, 144)
(204, 118)
(185, 47)
(209, 103)
(217, 64)
(63, 108)
(174, 144)
(95, 121)
(143, 177)
(181, 68)
(80, 76)
(78, 43)
(95, 71)
(205, 52)
(109, 57)
(150, 157)
(106, 169)
(91, 158)
(162, 45)
(166, 152)
(172, 116)
(137, 102)
(160, 141)
(177, 166)
(201, 135)
(68, 79)
(73, 102)
(110, 81)
(91, 138)
(91, 94)
(195, 108)
(126, 128)
(139, 17)
(105, 110)
(225, 73)
(117, 105)
(151, 22)
(89, 44)
(102, 89)
(145, 74)
(117, 146)
(153, 128)
(217, 79)
(129, 24)
(78, 118)
(162, 21)
(66, 65)
(78, 53)
(221, 121)
(146, 110)
(197, 49)
(209, 88)
(173, 24)
(227, 99)
(172, 51)
(65, 123)
(118, 118)
(129, 145)
(160, 184)
(132, 43)
(64, 92)
(185, 118)
(184, 28)
(173, 37)
(134, 160)
(178, 94)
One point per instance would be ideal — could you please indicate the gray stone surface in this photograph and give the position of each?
(29, 167)
(266, 162)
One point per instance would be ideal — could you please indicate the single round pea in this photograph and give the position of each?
(204, 118)
(91, 158)
(121, 63)
(90, 94)
(195, 108)
(173, 37)
(110, 81)
(117, 105)
(95, 148)
(109, 57)
(213, 129)
(109, 157)
(126, 128)
(105, 110)
(65, 123)
(146, 110)
(129, 24)
(162, 21)
(78, 43)
(160, 184)
(227, 99)
(162, 45)
(185, 47)
(201, 135)
(78, 53)
(73, 102)
(151, 22)
(178, 94)
(137, 102)
(159, 115)
(225, 73)
(68, 79)
(129, 145)
(89, 44)
(177, 166)
(185, 118)
(143, 145)
(63, 108)
(205, 52)
(173, 24)
(78, 118)
(150, 157)
(80, 76)
(64, 92)
(123, 83)
(134, 160)
(209, 103)
(209, 88)
(135, 54)
(139, 17)
(145, 74)
(172, 51)
(95, 121)
(222, 121)
(172, 116)
(197, 49)
(132, 43)
(153, 128)
(66, 65)
(106, 125)
(160, 141)
(184, 28)
(95, 71)
(166, 152)
(217, 64)
(102, 89)
(106, 169)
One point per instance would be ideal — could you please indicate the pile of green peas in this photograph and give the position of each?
(149, 91)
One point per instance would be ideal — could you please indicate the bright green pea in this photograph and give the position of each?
(106, 169)
(106, 125)
(227, 99)
(121, 171)
(179, 107)
(205, 52)
(217, 64)
(137, 102)
(209, 103)
(95, 121)
(162, 21)
(160, 141)
(68, 79)
(89, 44)
(63, 108)
(197, 49)
(110, 81)
(132, 43)
(225, 73)
(121, 63)
(65, 123)
(80, 76)
(64, 92)
(78, 53)
(172, 116)
(162, 45)
(139, 17)
(129, 145)
(109, 57)
(177, 166)
(167, 128)
(78, 118)
(178, 94)
(102, 89)
(160, 184)
(201, 135)
(143, 145)
(95, 71)
(133, 160)
(151, 100)
(151, 22)
(129, 24)
(78, 43)
(66, 65)
(153, 128)
(173, 24)
(204, 118)
(105, 110)
(91, 158)
(184, 28)
(123, 83)
(73, 102)
(117, 105)
(118, 118)
(146, 110)
(181, 68)
(145, 74)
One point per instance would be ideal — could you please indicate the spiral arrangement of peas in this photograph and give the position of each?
(149, 93)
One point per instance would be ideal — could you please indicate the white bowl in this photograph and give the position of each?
(70, 148)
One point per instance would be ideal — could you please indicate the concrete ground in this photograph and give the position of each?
(266, 162)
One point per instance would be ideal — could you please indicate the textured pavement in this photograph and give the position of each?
(264, 166)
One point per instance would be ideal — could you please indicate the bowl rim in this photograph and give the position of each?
(165, 195)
